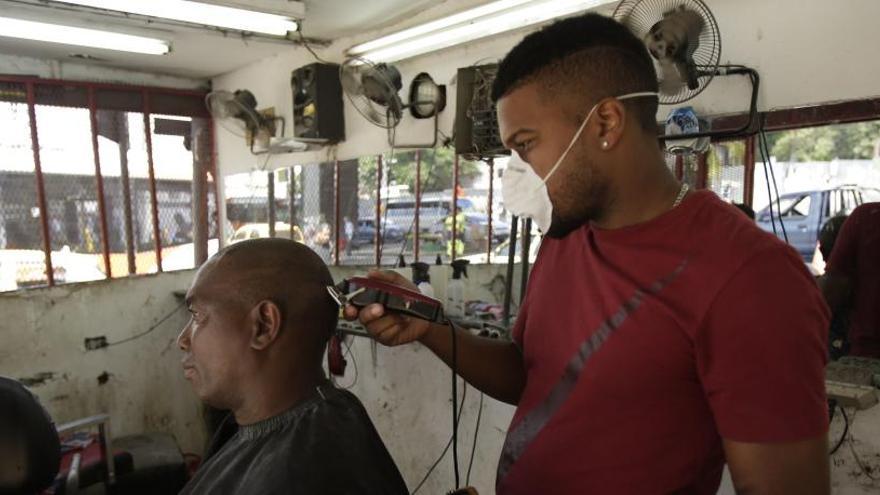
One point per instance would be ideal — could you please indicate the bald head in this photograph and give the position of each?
(283, 271)
(261, 318)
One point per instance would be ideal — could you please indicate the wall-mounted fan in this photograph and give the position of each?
(237, 112)
(373, 90)
(684, 41)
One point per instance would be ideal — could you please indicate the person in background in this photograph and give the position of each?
(851, 284)
(838, 344)
(828, 236)
(746, 209)
(348, 229)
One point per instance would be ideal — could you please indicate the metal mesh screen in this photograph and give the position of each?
(726, 170)
(22, 261)
(319, 208)
(473, 207)
(125, 170)
(690, 170)
(399, 208)
(78, 216)
(173, 166)
(247, 205)
(353, 244)
(68, 166)
(360, 202)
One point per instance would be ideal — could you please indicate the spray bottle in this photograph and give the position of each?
(422, 278)
(455, 300)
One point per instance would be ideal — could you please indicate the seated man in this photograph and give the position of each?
(261, 319)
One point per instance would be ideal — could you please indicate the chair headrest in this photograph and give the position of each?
(27, 436)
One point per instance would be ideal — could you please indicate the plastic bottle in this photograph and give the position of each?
(455, 300)
(422, 278)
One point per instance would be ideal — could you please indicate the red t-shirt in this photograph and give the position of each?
(856, 256)
(644, 346)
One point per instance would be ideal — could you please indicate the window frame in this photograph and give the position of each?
(153, 101)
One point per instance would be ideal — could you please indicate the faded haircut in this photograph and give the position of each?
(580, 60)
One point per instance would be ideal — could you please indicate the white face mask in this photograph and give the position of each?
(525, 193)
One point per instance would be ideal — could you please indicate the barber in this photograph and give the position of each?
(662, 333)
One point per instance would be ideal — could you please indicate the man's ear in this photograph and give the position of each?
(266, 324)
(611, 119)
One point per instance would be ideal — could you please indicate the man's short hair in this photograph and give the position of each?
(585, 54)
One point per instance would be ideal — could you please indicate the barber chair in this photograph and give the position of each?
(28, 441)
(82, 463)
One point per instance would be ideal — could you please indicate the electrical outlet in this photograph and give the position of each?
(94, 343)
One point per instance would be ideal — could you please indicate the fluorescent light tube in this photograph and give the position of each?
(200, 13)
(523, 16)
(69, 35)
(437, 25)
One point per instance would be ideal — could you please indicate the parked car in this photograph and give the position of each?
(476, 229)
(804, 213)
(433, 209)
(365, 232)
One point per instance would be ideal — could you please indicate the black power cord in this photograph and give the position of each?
(845, 429)
(767, 181)
(445, 449)
(145, 332)
(765, 151)
(304, 42)
(467, 479)
(455, 406)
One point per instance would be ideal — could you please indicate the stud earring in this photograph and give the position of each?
(604, 145)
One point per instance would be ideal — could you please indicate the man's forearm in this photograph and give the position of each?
(493, 366)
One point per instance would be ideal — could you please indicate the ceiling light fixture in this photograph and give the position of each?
(200, 13)
(426, 97)
(70, 35)
(437, 25)
(497, 17)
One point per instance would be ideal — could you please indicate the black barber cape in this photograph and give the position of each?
(324, 445)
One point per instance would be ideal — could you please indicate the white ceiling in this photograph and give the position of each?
(203, 54)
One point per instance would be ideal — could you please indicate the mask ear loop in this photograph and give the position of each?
(580, 130)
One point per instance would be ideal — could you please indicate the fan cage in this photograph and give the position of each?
(375, 113)
(640, 15)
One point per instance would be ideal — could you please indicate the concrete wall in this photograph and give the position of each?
(43, 342)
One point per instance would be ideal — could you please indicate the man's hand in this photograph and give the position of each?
(494, 366)
(392, 328)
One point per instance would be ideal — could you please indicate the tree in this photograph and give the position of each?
(437, 170)
(821, 144)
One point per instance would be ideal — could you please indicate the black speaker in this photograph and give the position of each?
(317, 104)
